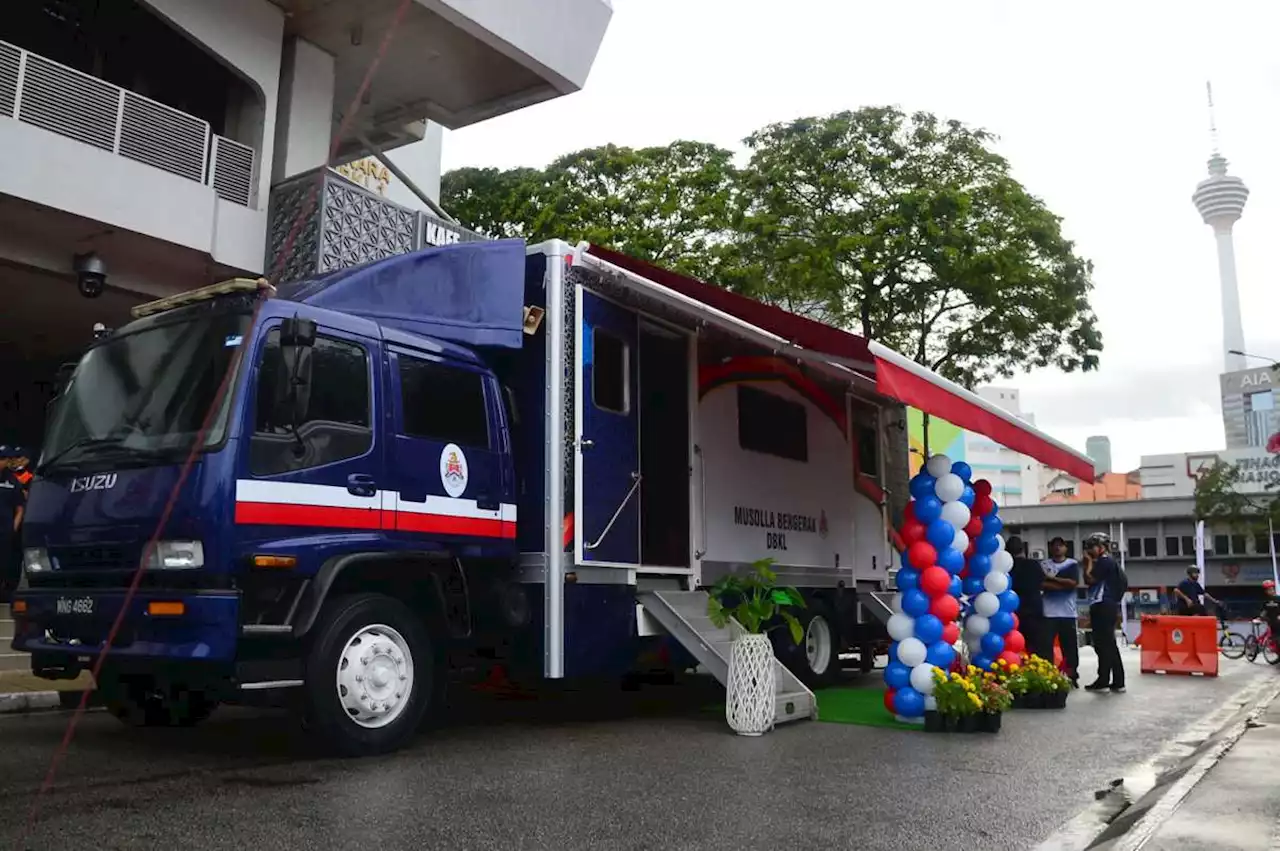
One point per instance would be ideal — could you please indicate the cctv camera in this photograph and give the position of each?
(91, 274)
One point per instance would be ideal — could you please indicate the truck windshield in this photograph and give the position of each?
(143, 395)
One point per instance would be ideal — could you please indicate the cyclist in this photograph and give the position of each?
(1190, 594)
(1271, 609)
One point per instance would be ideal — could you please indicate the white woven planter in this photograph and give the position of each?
(749, 705)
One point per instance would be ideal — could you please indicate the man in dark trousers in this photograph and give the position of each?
(11, 504)
(1106, 589)
(1061, 613)
(1026, 579)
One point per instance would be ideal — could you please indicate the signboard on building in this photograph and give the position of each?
(1258, 470)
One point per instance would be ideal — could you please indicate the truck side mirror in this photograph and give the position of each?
(293, 392)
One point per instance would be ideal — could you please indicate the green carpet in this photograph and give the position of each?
(862, 706)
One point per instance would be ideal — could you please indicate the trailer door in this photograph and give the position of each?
(608, 424)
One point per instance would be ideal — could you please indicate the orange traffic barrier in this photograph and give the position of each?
(1179, 644)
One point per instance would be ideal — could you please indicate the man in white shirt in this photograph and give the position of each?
(1061, 615)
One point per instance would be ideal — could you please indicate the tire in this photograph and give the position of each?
(1232, 645)
(142, 703)
(1251, 648)
(352, 703)
(816, 659)
(1270, 653)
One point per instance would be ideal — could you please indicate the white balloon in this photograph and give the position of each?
(922, 678)
(986, 604)
(961, 540)
(896, 602)
(978, 626)
(949, 488)
(939, 466)
(995, 582)
(974, 643)
(956, 513)
(911, 651)
(901, 626)
(1002, 562)
(999, 543)
(930, 704)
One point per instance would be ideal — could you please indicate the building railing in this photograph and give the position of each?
(71, 103)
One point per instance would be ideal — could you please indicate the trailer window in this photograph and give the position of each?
(443, 403)
(868, 452)
(610, 372)
(772, 425)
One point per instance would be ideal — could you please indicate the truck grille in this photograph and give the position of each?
(95, 557)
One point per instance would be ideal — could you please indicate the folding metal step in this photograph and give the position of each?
(683, 614)
(879, 604)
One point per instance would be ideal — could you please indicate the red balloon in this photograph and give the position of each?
(888, 699)
(974, 529)
(982, 487)
(964, 572)
(934, 581)
(1015, 642)
(951, 632)
(1011, 658)
(945, 608)
(921, 554)
(912, 532)
(971, 549)
(1016, 622)
(983, 505)
(909, 513)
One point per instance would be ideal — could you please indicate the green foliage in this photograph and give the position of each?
(1219, 500)
(669, 205)
(911, 231)
(754, 600)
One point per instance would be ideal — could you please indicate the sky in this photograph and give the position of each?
(1100, 108)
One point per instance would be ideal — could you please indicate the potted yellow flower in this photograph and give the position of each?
(958, 703)
(1045, 686)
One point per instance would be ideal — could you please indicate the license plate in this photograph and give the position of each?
(75, 605)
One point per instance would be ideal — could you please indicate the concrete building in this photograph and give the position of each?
(1249, 415)
(1107, 487)
(153, 146)
(1098, 448)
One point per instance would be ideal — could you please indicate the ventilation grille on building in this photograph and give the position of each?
(231, 170)
(71, 103)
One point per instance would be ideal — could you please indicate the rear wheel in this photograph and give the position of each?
(370, 670)
(1270, 653)
(1232, 645)
(1251, 648)
(815, 660)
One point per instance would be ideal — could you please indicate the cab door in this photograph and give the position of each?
(607, 502)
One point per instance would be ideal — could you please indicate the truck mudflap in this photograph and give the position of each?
(162, 626)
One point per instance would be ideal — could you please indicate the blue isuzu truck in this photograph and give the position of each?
(533, 455)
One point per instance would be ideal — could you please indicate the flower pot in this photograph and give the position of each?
(1055, 700)
(990, 722)
(1019, 702)
(1033, 701)
(749, 696)
(933, 722)
(969, 723)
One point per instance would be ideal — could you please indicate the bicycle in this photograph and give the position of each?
(1261, 642)
(1231, 644)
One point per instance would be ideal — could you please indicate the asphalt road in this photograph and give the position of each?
(647, 771)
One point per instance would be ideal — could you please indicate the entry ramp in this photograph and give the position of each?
(684, 615)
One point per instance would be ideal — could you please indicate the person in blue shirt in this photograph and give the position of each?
(1190, 594)
(1106, 589)
(1061, 612)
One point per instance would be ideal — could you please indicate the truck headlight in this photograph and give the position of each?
(176, 555)
(36, 560)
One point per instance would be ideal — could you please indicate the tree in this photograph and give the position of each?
(669, 205)
(911, 231)
(1220, 499)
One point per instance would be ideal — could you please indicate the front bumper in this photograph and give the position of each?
(71, 623)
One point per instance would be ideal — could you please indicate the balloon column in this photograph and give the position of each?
(936, 530)
(991, 622)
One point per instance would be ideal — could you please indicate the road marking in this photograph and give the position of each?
(1080, 832)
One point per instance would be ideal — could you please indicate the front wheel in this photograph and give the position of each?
(1232, 645)
(1251, 648)
(1270, 653)
(369, 675)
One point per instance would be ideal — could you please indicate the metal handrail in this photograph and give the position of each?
(634, 487)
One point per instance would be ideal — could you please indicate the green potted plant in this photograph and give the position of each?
(756, 603)
(996, 700)
(957, 700)
(1046, 686)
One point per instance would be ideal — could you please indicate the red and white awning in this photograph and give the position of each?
(866, 364)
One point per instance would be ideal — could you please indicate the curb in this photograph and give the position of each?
(43, 701)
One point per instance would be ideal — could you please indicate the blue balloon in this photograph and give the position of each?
(897, 675)
(1001, 623)
(963, 470)
(951, 560)
(967, 496)
(983, 662)
(915, 602)
(928, 628)
(893, 653)
(1009, 601)
(992, 644)
(992, 525)
(928, 509)
(908, 579)
(922, 485)
(987, 543)
(979, 565)
(909, 703)
(940, 533)
(941, 655)
(956, 588)
(973, 586)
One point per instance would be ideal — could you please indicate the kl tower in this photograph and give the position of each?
(1220, 199)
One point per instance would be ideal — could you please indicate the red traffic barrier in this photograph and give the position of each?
(1179, 644)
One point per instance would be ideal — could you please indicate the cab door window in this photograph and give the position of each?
(333, 420)
(443, 403)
